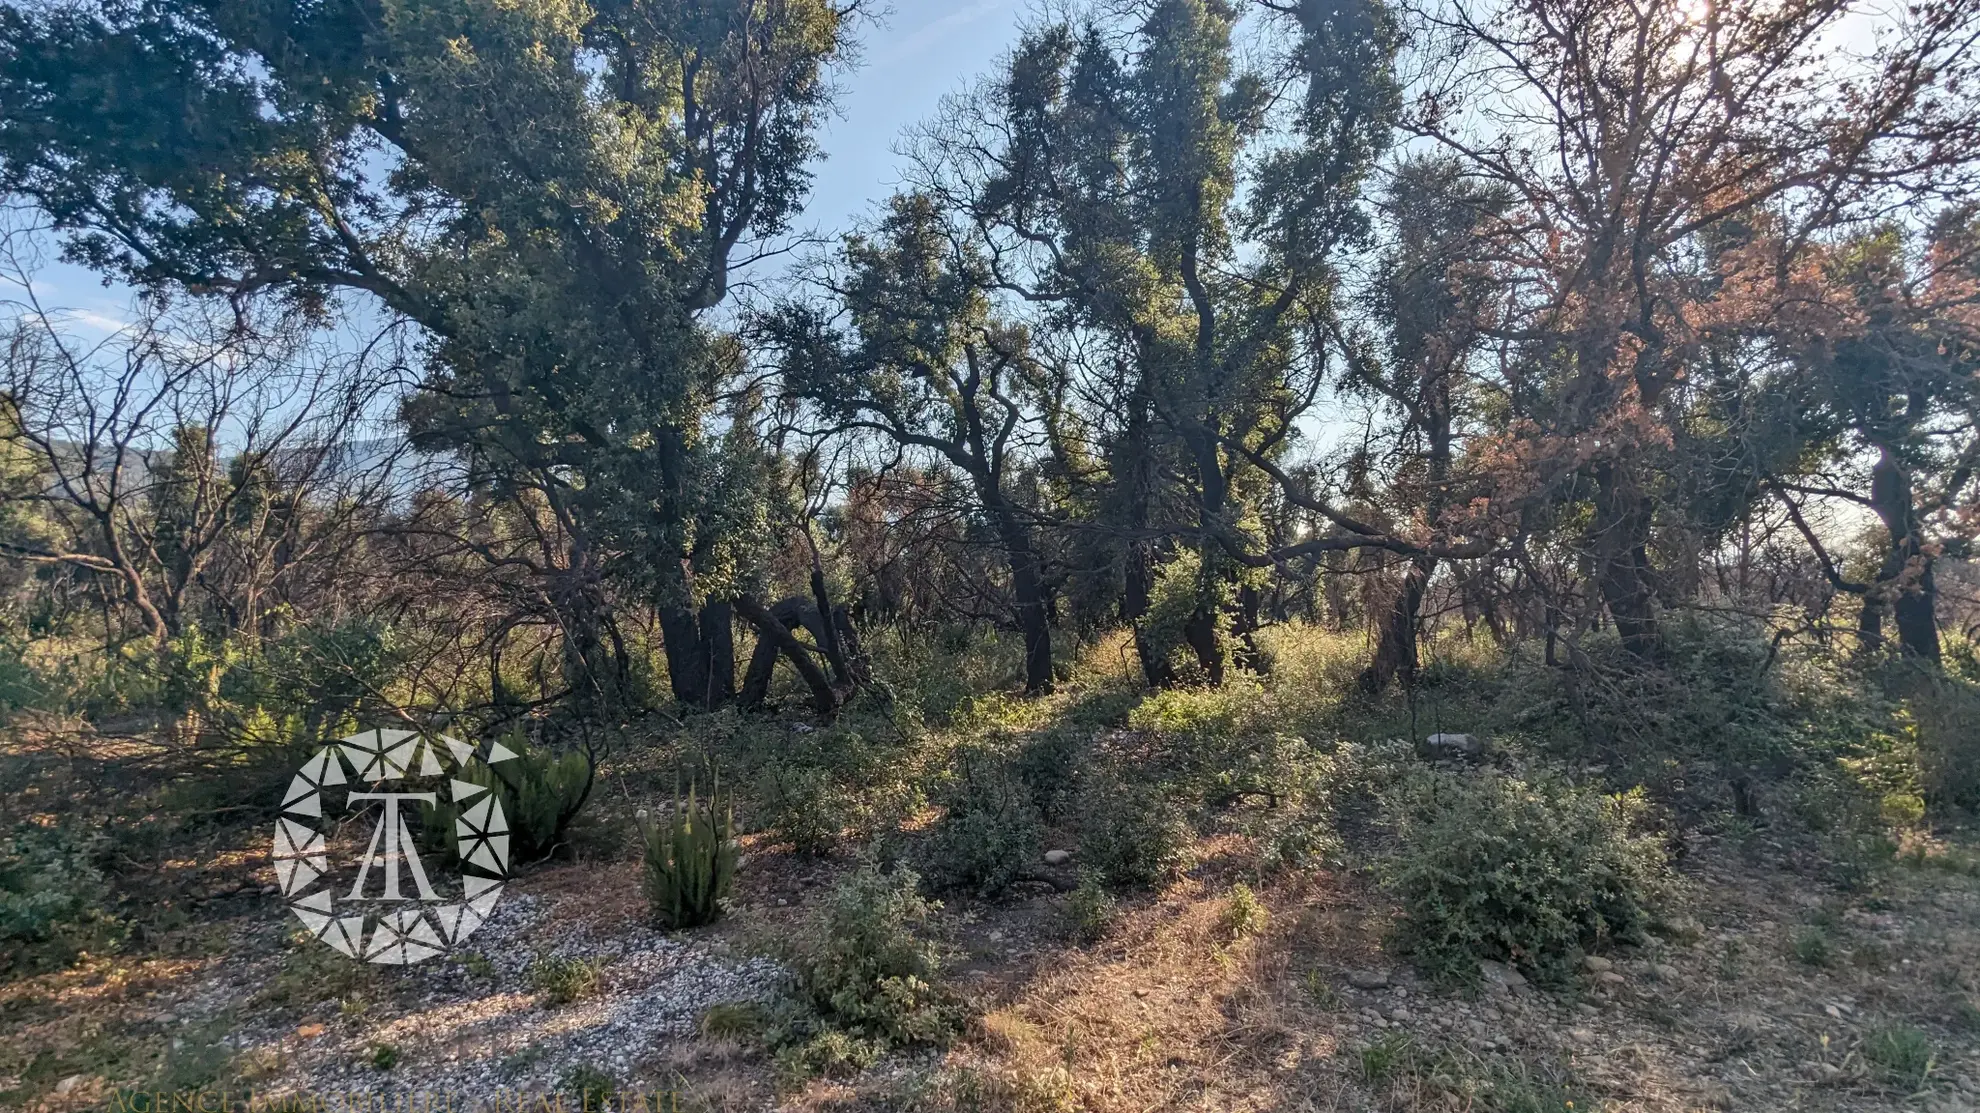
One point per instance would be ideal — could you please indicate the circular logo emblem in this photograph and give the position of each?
(346, 859)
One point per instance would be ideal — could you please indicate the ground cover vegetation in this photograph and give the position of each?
(1364, 554)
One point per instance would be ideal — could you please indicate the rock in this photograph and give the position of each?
(69, 1084)
(1057, 857)
(1499, 974)
(269, 890)
(1582, 1035)
(1609, 977)
(1467, 744)
(1664, 972)
(1596, 965)
(1368, 979)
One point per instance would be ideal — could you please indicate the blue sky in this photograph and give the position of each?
(922, 51)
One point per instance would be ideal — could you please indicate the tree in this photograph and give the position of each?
(1141, 190)
(1629, 134)
(922, 361)
(556, 192)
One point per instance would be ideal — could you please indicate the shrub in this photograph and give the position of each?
(542, 795)
(864, 966)
(990, 833)
(1491, 867)
(1089, 910)
(562, 980)
(1133, 834)
(1904, 1054)
(53, 899)
(1946, 710)
(1244, 914)
(690, 863)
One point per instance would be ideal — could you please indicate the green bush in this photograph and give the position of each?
(542, 795)
(864, 966)
(990, 832)
(690, 862)
(1487, 866)
(53, 899)
(1089, 910)
(1946, 710)
(1133, 834)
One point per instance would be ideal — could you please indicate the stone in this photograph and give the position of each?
(1399, 1015)
(1499, 974)
(1595, 964)
(69, 1084)
(1609, 977)
(1467, 744)
(1582, 1035)
(1368, 979)
(1664, 971)
(1057, 857)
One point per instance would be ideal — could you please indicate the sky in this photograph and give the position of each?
(918, 53)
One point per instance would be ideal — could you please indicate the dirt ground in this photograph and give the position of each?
(1777, 991)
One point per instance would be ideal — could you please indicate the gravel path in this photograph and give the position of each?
(479, 1036)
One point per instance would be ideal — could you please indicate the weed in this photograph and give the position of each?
(562, 980)
(384, 1056)
(1811, 947)
(1385, 1056)
(1902, 1053)
(590, 1085)
(1244, 915)
(740, 1021)
(477, 964)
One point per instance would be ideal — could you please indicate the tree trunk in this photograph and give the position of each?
(1621, 541)
(1395, 649)
(773, 636)
(1904, 587)
(1028, 595)
(701, 653)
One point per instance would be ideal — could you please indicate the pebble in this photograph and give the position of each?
(1664, 971)
(1582, 1035)
(1499, 974)
(1595, 964)
(69, 1084)
(1609, 977)
(1368, 979)
(1057, 857)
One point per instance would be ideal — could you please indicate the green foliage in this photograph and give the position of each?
(1244, 915)
(384, 1056)
(563, 979)
(54, 900)
(1530, 872)
(1946, 711)
(1090, 910)
(734, 1020)
(1182, 589)
(690, 862)
(542, 795)
(864, 965)
(1133, 834)
(1903, 1053)
(1812, 947)
(990, 832)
